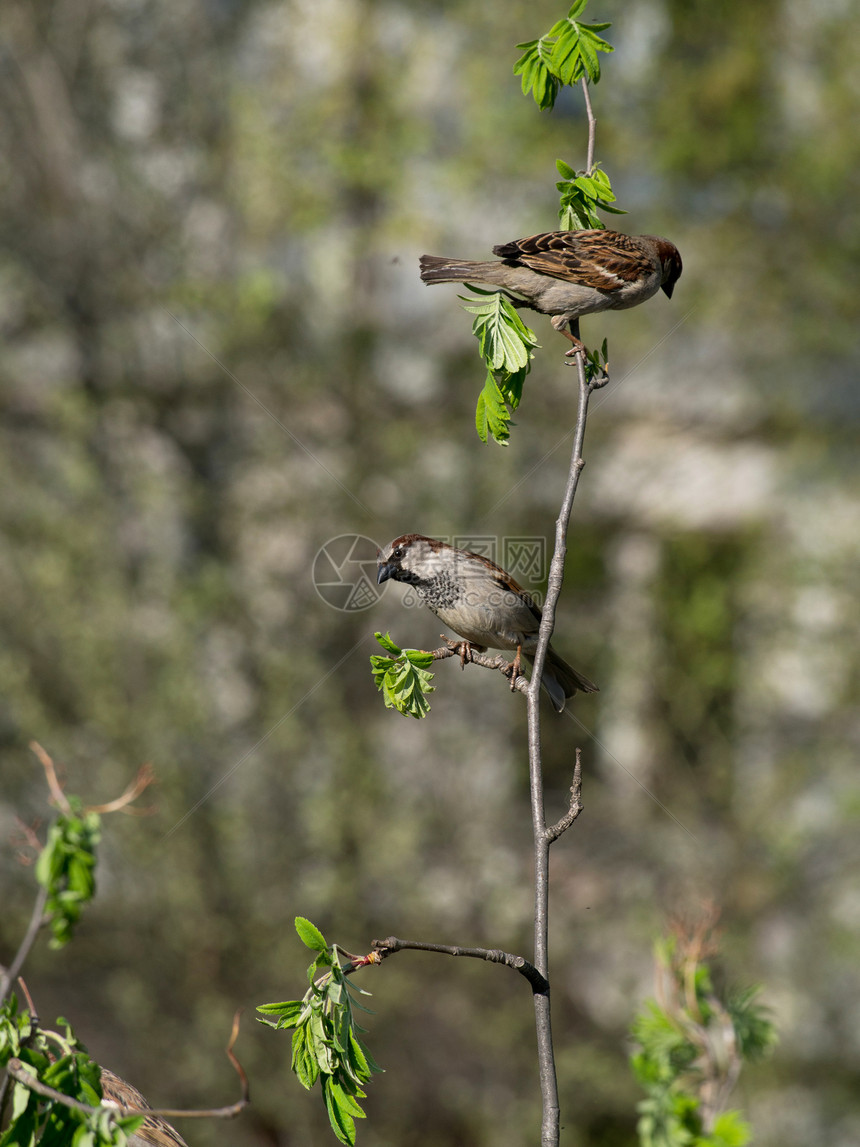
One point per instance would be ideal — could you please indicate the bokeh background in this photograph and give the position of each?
(218, 357)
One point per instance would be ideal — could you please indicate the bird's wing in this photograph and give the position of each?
(528, 614)
(602, 259)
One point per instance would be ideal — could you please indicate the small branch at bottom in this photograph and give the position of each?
(519, 964)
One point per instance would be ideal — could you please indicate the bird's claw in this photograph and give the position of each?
(462, 648)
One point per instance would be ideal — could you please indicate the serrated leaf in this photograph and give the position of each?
(589, 59)
(289, 1013)
(310, 935)
(386, 643)
(491, 414)
(419, 658)
(334, 991)
(341, 1121)
(346, 1100)
(537, 77)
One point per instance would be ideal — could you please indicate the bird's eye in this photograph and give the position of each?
(398, 552)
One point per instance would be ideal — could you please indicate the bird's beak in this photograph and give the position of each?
(668, 288)
(385, 571)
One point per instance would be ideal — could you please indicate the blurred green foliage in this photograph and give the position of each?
(691, 1046)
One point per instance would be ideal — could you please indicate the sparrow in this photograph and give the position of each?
(567, 274)
(480, 602)
(154, 1131)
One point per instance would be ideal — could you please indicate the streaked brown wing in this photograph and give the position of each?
(507, 583)
(604, 260)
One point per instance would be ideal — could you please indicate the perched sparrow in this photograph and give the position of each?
(154, 1131)
(567, 274)
(480, 602)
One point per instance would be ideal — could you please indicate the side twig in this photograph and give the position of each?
(392, 944)
(564, 823)
(37, 919)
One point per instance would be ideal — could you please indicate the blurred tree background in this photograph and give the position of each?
(219, 356)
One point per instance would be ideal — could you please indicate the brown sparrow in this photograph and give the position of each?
(154, 1131)
(568, 274)
(480, 602)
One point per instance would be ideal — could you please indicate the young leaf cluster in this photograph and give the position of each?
(403, 677)
(67, 1068)
(505, 344)
(66, 868)
(326, 1041)
(582, 195)
(567, 52)
(672, 1063)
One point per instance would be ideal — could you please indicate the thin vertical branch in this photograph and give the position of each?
(543, 838)
(592, 127)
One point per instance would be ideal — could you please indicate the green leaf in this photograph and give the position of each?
(310, 935)
(420, 658)
(290, 1013)
(403, 681)
(755, 1032)
(341, 1111)
(303, 1063)
(334, 991)
(505, 340)
(537, 77)
(387, 643)
(491, 414)
(21, 1096)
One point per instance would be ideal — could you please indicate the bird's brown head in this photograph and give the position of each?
(670, 259)
(409, 558)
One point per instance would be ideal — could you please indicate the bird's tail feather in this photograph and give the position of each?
(437, 269)
(561, 680)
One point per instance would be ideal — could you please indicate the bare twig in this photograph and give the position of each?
(37, 919)
(57, 794)
(145, 777)
(519, 964)
(564, 823)
(25, 837)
